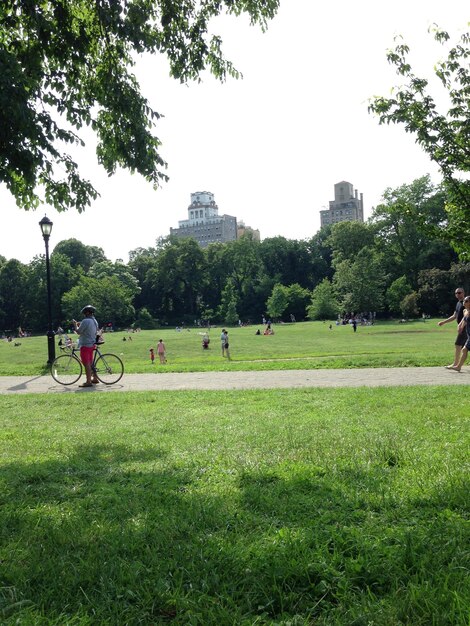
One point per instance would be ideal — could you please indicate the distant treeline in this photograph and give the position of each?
(395, 264)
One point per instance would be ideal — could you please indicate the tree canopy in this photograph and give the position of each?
(407, 223)
(66, 64)
(444, 136)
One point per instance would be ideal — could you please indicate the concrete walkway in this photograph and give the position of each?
(370, 377)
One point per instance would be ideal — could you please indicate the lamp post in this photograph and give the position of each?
(46, 228)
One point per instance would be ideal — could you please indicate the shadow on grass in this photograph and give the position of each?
(122, 536)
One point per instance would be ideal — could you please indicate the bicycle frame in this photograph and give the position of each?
(107, 367)
(73, 350)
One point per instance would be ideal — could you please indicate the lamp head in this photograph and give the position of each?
(46, 227)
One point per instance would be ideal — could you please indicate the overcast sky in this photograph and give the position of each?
(270, 146)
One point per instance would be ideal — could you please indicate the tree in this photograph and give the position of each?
(438, 253)
(228, 305)
(320, 253)
(112, 299)
(243, 261)
(348, 238)
(436, 290)
(398, 290)
(406, 223)
(324, 303)
(460, 273)
(78, 253)
(122, 272)
(66, 64)
(286, 261)
(297, 301)
(409, 305)
(13, 295)
(443, 136)
(218, 272)
(145, 320)
(63, 278)
(141, 261)
(360, 283)
(277, 302)
(178, 279)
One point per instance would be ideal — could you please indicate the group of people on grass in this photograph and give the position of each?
(88, 332)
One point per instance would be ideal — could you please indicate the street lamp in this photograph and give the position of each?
(46, 228)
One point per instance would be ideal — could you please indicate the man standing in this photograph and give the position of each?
(87, 329)
(222, 341)
(461, 336)
(226, 345)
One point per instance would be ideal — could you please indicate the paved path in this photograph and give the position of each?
(371, 377)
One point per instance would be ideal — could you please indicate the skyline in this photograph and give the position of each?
(270, 146)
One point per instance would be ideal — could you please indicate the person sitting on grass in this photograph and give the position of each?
(464, 325)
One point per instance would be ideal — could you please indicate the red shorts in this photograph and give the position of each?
(86, 354)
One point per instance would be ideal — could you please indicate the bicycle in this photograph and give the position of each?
(67, 368)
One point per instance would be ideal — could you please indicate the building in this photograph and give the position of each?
(346, 207)
(204, 223)
(247, 230)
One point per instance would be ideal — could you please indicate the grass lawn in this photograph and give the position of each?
(286, 507)
(307, 345)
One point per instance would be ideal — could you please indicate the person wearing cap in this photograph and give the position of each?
(87, 330)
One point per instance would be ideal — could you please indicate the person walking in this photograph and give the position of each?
(465, 327)
(152, 355)
(461, 336)
(86, 331)
(161, 351)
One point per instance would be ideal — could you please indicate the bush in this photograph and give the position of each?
(145, 320)
(409, 306)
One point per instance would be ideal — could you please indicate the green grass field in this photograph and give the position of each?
(306, 345)
(306, 507)
(287, 507)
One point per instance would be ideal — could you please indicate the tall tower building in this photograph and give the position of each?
(204, 223)
(347, 206)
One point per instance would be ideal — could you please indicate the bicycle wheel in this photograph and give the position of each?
(109, 368)
(66, 369)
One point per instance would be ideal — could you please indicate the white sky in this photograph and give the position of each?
(270, 146)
